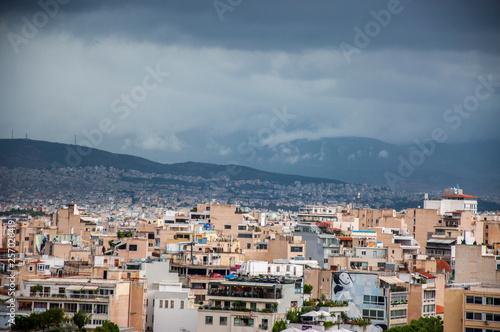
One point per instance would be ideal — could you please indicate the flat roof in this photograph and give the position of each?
(392, 280)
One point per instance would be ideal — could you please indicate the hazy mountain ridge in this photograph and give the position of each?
(473, 166)
(40, 154)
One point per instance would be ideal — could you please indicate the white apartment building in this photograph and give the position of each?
(452, 200)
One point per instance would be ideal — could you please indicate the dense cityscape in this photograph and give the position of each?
(249, 166)
(229, 267)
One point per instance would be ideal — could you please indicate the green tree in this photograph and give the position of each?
(39, 321)
(308, 288)
(279, 325)
(82, 318)
(107, 327)
(427, 324)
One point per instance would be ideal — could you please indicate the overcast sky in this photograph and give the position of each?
(190, 80)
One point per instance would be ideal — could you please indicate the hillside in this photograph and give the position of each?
(43, 155)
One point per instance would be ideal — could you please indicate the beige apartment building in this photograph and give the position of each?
(223, 217)
(475, 264)
(421, 223)
(120, 301)
(472, 308)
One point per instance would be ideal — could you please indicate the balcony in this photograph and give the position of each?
(398, 289)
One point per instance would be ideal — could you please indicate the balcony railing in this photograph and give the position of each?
(247, 295)
(395, 289)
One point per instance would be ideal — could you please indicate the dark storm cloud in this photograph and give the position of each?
(281, 25)
(227, 76)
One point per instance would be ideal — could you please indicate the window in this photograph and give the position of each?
(40, 268)
(101, 308)
(363, 252)
(253, 306)
(244, 236)
(172, 304)
(106, 291)
(295, 249)
(62, 290)
(492, 301)
(429, 308)
(70, 307)
(227, 227)
(396, 314)
(98, 321)
(472, 329)
(55, 305)
(209, 320)
(132, 247)
(161, 303)
(31, 268)
(429, 294)
(265, 324)
(222, 320)
(373, 314)
(182, 304)
(243, 322)
(373, 299)
(87, 307)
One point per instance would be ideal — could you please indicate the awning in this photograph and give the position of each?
(392, 280)
(91, 288)
(441, 241)
(74, 288)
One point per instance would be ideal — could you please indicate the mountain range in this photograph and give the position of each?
(472, 166)
(40, 154)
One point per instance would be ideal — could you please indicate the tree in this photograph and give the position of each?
(39, 321)
(107, 327)
(279, 325)
(308, 288)
(82, 318)
(427, 324)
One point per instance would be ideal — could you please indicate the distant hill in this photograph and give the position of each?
(41, 155)
(475, 167)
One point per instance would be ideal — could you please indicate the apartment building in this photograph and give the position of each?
(173, 308)
(422, 295)
(319, 246)
(472, 308)
(381, 298)
(452, 200)
(257, 303)
(120, 301)
(474, 263)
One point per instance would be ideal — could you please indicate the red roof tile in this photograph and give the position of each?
(427, 275)
(439, 309)
(458, 196)
(442, 265)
